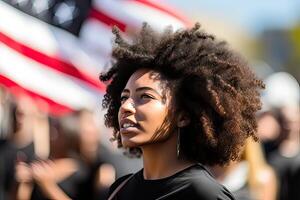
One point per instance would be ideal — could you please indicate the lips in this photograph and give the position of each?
(127, 125)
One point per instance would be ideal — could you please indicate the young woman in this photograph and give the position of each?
(181, 100)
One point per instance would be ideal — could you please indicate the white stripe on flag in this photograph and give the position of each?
(47, 39)
(58, 66)
(41, 80)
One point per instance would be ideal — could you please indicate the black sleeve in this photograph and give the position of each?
(117, 183)
(210, 193)
(225, 195)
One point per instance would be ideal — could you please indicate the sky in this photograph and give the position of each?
(254, 15)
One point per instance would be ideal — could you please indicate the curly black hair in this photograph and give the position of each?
(210, 82)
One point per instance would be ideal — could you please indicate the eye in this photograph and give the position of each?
(146, 96)
(123, 99)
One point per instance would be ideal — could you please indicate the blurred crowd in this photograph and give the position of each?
(270, 169)
(43, 157)
(46, 157)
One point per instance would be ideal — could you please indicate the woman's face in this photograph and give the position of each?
(144, 108)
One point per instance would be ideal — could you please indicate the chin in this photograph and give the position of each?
(129, 144)
(132, 142)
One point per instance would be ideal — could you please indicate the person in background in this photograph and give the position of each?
(270, 131)
(181, 100)
(250, 178)
(279, 130)
(101, 174)
(6, 161)
(282, 143)
(60, 176)
(23, 113)
(18, 145)
(292, 145)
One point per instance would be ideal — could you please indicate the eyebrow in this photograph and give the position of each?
(143, 88)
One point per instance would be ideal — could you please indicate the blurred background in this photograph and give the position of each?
(51, 121)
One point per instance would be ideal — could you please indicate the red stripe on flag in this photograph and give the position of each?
(51, 62)
(53, 108)
(166, 9)
(104, 18)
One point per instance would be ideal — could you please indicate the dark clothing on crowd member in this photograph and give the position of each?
(6, 163)
(286, 169)
(192, 183)
(89, 187)
(295, 179)
(9, 155)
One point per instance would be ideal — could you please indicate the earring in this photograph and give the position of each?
(178, 143)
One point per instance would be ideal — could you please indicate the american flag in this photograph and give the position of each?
(54, 50)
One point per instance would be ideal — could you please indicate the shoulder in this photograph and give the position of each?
(118, 182)
(204, 186)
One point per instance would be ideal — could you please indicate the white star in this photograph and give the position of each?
(39, 6)
(65, 12)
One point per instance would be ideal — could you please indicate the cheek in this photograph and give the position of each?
(153, 116)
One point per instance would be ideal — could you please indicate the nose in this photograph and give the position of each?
(128, 107)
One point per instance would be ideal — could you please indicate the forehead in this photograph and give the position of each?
(145, 78)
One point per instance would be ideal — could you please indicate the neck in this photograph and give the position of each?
(160, 159)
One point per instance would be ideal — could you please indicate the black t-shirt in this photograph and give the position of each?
(192, 183)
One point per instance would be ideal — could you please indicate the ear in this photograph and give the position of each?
(183, 120)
